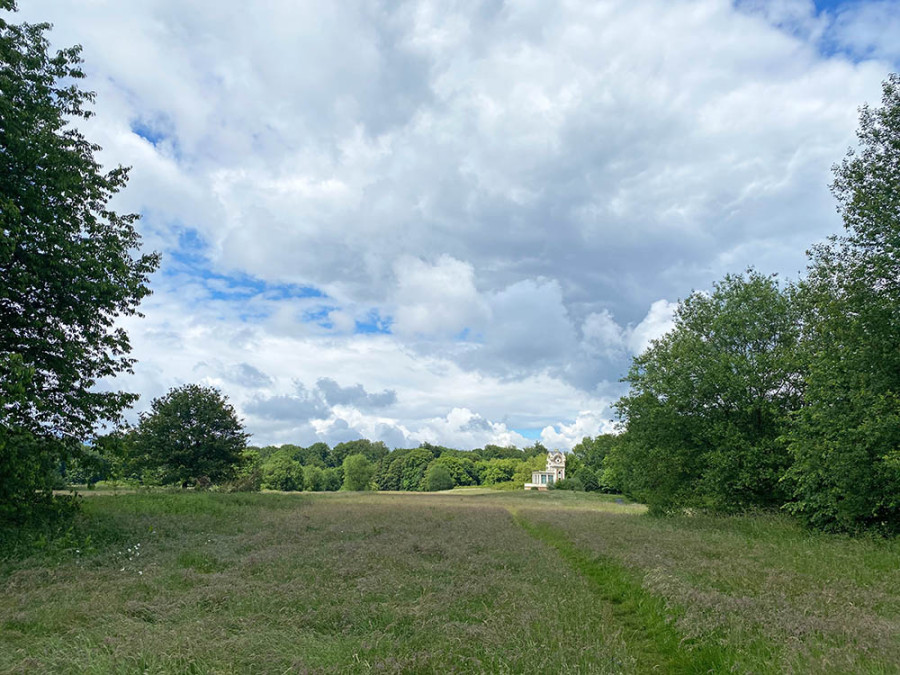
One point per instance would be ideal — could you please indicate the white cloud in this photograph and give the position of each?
(514, 187)
(438, 299)
(587, 423)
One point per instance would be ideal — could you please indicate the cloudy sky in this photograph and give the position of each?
(456, 222)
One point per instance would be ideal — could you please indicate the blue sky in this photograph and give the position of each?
(457, 222)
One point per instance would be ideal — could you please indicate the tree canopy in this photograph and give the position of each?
(69, 265)
(193, 433)
(710, 400)
(846, 442)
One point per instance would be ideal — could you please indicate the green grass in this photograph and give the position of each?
(461, 581)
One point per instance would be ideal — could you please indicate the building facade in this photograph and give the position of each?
(555, 471)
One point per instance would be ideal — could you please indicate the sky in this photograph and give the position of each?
(457, 222)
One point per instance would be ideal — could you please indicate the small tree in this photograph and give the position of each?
(358, 472)
(191, 433)
(437, 477)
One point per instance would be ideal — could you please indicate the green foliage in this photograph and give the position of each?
(587, 479)
(522, 473)
(68, 268)
(461, 469)
(571, 484)
(313, 478)
(191, 433)
(709, 401)
(358, 473)
(282, 472)
(498, 470)
(497, 452)
(371, 450)
(404, 470)
(333, 479)
(437, 477)
(846, 440)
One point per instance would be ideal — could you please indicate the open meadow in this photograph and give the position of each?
(461, 581)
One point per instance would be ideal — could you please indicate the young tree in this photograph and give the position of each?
(68, 265)
(192, 433)
(358, 472)
(710, 400)
(846, 440)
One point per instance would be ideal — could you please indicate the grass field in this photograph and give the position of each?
(466, 581)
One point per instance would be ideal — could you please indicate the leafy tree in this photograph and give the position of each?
(524, 469)
(358, 472)
(333, 478)
(437, 477)
(496, 471)
(68, 267)
(462, 469)
(313, 478)
(282, 472)
(499, 452)
(587, 479)
(846, 440)
(405, 470)
(373, 451)
(315, 455)
(592, 451)
(710, 401)
(191, 433)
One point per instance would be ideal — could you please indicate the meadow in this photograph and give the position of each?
(460, 581)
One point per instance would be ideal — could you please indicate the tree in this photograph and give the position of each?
(846, 440)
(313, 478)
(282, 472)
(437, 477)
(358, 472)
(588, 479)
(710, 401)
(68, 266)
(192, 433)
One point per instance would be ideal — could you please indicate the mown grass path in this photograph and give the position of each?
(648, 630)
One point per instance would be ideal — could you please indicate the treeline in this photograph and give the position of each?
(354, 465)
(785, 395)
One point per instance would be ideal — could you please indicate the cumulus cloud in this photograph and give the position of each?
(467, 217)
(356, 395)
(587, 423)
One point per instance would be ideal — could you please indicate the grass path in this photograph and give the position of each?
(648, 631)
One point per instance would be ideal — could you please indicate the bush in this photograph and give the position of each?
(567, 484)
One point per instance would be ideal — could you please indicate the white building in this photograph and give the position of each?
(556, 470)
